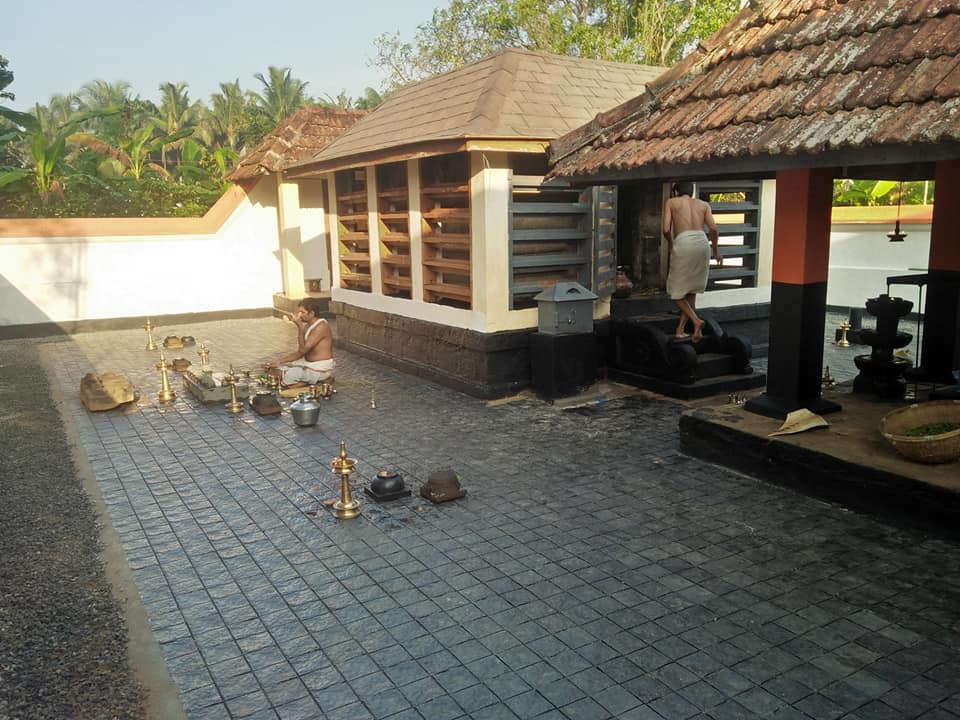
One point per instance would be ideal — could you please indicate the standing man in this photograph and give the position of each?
(312, 361)
(684, 218)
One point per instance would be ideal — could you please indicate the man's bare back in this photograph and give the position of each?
(686, 213)
(322, 348)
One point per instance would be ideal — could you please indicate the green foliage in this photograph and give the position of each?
(48, 152)
(282, 94)
(222, 124)
(654, 32)
(881, 192)
(103, 151)
(131, 155)
(6, 78)
(88, 196)
(175, 114)
(368, 101)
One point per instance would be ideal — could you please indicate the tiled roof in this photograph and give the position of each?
(789, 83)
(513, 94)
(299, 136)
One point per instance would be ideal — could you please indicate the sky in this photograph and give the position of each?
(56, 46)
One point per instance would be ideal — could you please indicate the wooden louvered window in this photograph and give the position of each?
(393, 207)
(354, 233)
(445, 209)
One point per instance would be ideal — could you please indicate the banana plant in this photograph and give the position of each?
(203, 166)
(49, 153)
(131, 155)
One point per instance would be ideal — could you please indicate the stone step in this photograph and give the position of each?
(712, 364)
(702, 388)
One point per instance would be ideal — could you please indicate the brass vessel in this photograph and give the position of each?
(151, 345)
(165, 395)
(346, 507)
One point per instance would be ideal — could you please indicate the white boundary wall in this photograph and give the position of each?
(87, 269)
(862, 258)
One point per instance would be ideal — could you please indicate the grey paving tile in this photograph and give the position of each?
(304, 708)
(809, 610)
(561, 692)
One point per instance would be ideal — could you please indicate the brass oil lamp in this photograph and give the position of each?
(346, 507)
(843, 341)
(151, 345)
(234, 406)
(166, 394)
(204, 354)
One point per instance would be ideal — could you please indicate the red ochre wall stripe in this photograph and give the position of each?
(945, 228)
(801, 236)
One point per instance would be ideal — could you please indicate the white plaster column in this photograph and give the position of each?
(291, 250)
(415, 225)
(334, 231)
(490, 237)
(314, 235)
(768, 203)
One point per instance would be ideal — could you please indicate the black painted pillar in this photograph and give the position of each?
(940, 352)
(798, 296)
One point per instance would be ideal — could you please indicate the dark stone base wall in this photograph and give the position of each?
(484, 365)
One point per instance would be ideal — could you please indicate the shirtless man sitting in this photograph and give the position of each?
(312, 361)
(684, 218)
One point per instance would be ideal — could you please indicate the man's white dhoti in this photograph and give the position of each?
(689, 264)
(308, 372)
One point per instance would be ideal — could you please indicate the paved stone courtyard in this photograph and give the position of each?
(592, 571)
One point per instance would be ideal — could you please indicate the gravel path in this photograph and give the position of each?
(63, 643)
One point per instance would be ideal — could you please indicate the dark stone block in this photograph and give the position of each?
(562, 365)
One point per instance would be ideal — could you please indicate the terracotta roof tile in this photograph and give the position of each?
(513, 94)
(299, 136)
(789, 78)
(949, 86)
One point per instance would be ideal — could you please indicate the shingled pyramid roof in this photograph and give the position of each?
(299, 136)
(513, 94)
(789, 83)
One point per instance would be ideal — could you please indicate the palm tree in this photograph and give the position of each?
(61, 109)
(282, 95)
(100, 95)
(221, 124)
(175, 113)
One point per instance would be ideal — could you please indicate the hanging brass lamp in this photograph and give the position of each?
(896, 235)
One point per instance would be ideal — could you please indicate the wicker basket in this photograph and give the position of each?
(941, 448)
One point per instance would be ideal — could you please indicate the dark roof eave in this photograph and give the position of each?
(424, 148)
(908, 159)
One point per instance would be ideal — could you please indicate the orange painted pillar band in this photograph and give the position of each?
(945, 228)
(801, 233)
